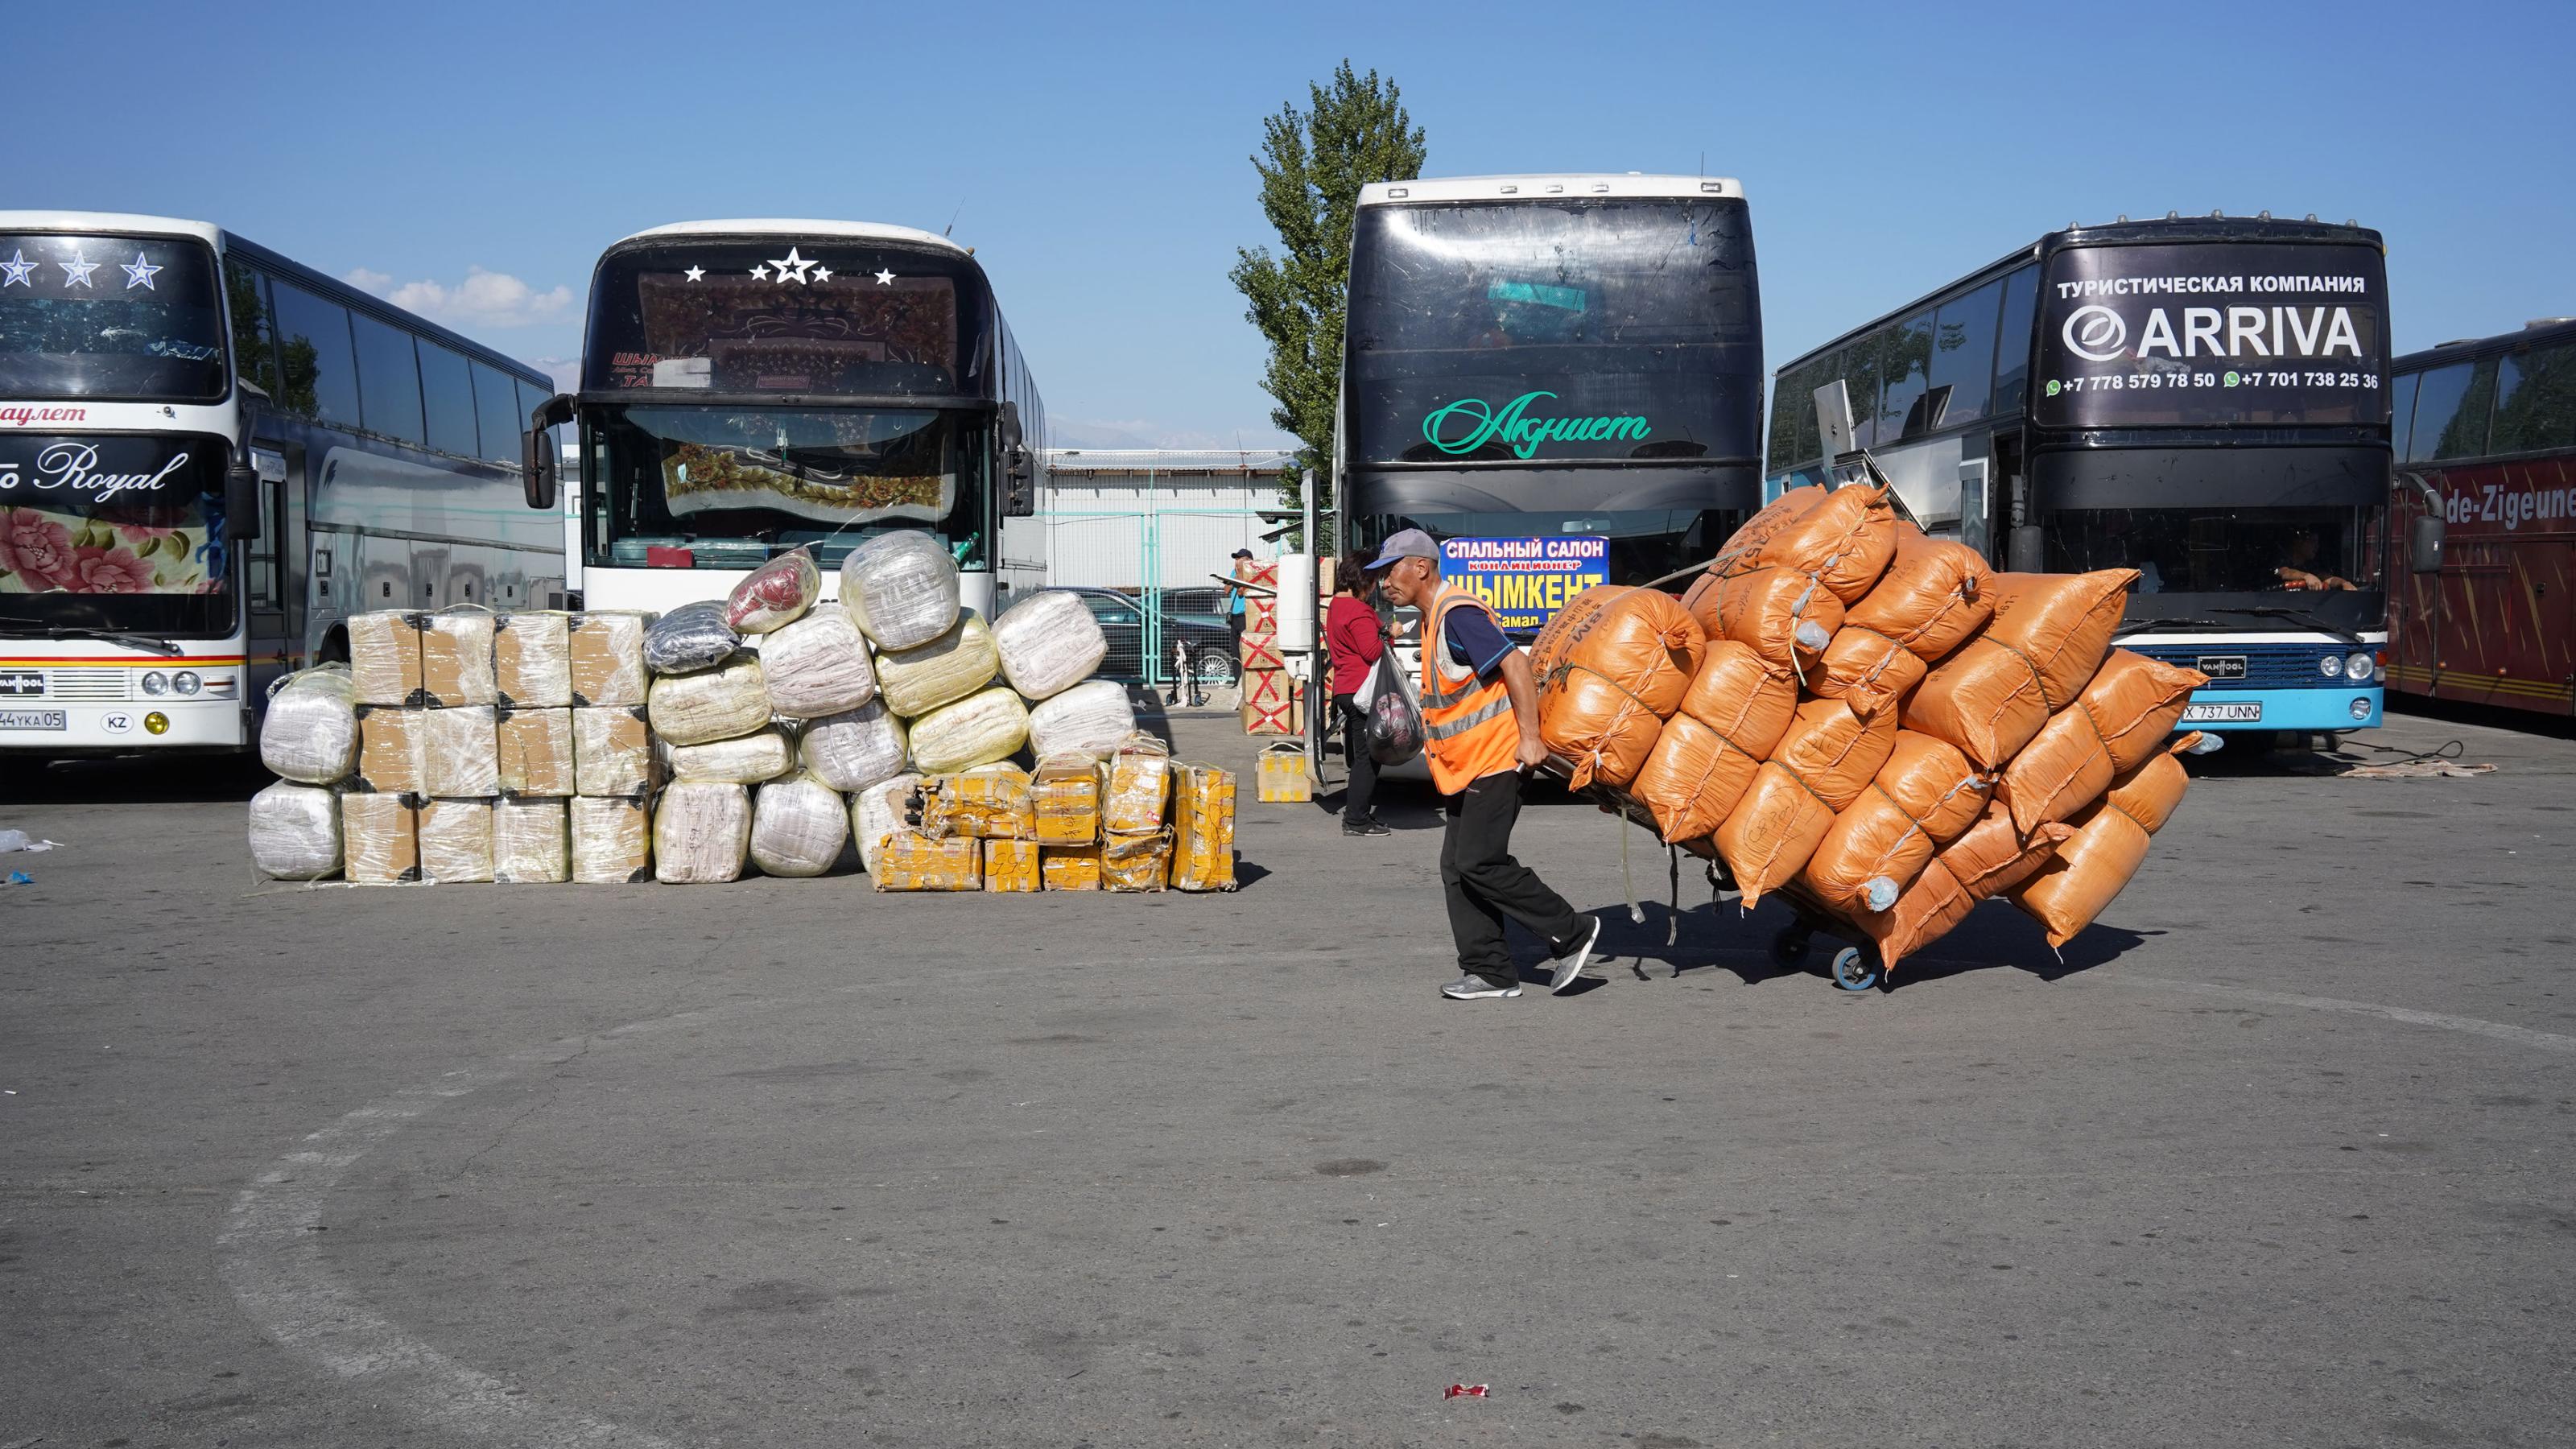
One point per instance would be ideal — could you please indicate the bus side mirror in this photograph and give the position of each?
(2424, 543)
(537, 471)
(241, 499)
(1019, 469)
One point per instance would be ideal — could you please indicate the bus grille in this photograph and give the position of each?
(2267, 666)
(90, 683)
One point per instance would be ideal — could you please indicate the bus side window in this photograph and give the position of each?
(496, 409)
(1905, 366)
(254, 330)
(388, 379)
(1963, 352)
(2450, 406)
(2012, 340)
(1860, 375)
(2401, 414)
(2536, 401)
(447, 400)
(317, 367)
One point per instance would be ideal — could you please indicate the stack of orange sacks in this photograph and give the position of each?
(1875, 722)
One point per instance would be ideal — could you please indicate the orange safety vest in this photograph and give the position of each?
(1468, 731)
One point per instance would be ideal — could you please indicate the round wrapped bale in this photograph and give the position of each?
(854, 749)
(915, 681)
(713, 704)
(1087, 720)
(901, 588)
(976, 730)
(742, 760)
(692, 636)
(818, 665)
(878, 813)
(310, 734)
(774, 595)
(701, 829)
(295, 831)
(798, 826)
(1049, 642)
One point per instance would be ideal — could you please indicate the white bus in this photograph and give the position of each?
(749, 387)
(209, 457)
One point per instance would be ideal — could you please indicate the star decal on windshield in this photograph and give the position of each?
(13, 272)
(791, 267)
(760, 274)
(76, 271)
(885, 278)
(694, 273)
(139, 273)
(822, 274)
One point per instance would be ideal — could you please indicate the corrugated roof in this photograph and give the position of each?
(1169, 460)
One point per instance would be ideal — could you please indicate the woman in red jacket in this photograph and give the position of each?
(1357, 638)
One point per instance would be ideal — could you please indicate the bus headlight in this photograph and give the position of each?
(2358, 668)
(185, 682)
(2361, 709)
(155, 682)
(2331, 667)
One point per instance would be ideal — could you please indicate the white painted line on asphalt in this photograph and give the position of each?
(2521, 1035)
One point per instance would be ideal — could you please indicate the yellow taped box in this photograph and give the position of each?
(380, 839)
(989, 802)
(1140, 777)
(1011, 866)
(912, 861)
(1135, 861)
(1283, 776)
(1070, 867)
(1064, 801)
(1203, 799)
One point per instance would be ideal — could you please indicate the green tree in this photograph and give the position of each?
(1312, 165)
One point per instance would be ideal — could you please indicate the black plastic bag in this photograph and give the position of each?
(1394, 716)
(690, 638)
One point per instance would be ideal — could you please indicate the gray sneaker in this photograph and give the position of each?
(1477, 988)
(1570, 965)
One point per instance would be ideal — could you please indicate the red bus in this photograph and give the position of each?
(2485, 435)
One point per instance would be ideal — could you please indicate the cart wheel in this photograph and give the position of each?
(1855, 969)
(1789, 948)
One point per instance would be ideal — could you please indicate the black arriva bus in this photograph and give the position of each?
(2204, 400)
(1554, 355)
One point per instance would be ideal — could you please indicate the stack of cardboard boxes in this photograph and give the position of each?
(1271, 700)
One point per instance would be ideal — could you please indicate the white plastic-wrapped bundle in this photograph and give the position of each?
(456, 840)
(460, 751)
(901, 588)
(532, 660)
(913, 682)
(529, 842)
(692, 636)
(818, 665)
(878, 813)
(798, 826)
(612, 841)
(1087, 720)
(700, 830)
(713, 704)
(311, 732)
(742, 760)
(295, 831)
(976, 730)
(1049, 642)
(854, 749)
(775, 594)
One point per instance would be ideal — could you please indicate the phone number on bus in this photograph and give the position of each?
(2150, 381)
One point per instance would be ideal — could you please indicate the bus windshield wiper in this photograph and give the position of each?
(2296, 616)
(2134, 625)
(134, 641)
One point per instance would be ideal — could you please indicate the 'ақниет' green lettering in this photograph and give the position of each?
(1484, 423)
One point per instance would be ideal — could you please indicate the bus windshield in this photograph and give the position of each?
(108, 532)
(2294, 553)
(109, 317)
(1554, 331)
(726, 486)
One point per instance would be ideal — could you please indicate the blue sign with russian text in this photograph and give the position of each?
(1526, 579)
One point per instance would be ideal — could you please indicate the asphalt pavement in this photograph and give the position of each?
(2276, 1154)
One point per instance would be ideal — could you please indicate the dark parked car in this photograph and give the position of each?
(1122, 619)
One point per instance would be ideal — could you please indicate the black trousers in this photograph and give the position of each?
(1362, 789)
(1486, 886)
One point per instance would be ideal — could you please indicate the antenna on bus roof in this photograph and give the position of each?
(952, 217)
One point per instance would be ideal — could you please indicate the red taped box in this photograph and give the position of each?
(1260, 617)
(1261, 653)
(1265, 686)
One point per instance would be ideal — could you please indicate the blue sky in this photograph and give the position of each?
(475, 158)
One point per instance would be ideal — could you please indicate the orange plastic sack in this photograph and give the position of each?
(1787, 617)
(2119, 720)
(1738, 694)
(1934, 594)
(1610, 675)
(1866, 669)
(1779, 513)
(1924, 795)
(1846, 541)
(1834, 751)
(2061, 623)
(1768, 836)
(1989, 858)
(1986, 699)
(2109, 844)
(1694, 777)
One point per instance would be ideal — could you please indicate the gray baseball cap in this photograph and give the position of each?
(1410, 543)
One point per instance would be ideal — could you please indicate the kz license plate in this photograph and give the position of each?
(2221, 666)
(34, 719)
(2230, 713)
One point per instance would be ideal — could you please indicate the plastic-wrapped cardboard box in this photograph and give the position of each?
(1135, 861)
(607, 658)
(391, 744)
(1203, 800)
(1011, 866)
(1070, 867)
(460, 751)
(536, 752)
(380, 839)
(988, 802)
(612, 750)
(384, 657)
(456, 840)
(1140, 779)
(912, 861)
(1064, 801)
(530, 843)
(532, 660)
(456, 658)
(612, 840)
